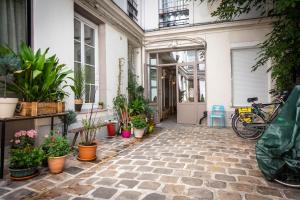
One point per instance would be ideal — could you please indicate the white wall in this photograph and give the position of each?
(122, 4)
(116, 47)
(53, 27)
(151, 14)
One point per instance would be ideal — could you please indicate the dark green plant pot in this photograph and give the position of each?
(19, 173)
(78, 107)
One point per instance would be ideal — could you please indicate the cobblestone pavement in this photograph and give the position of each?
(177, 163)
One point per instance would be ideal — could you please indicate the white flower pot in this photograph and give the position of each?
(7, 107)
(138, 133)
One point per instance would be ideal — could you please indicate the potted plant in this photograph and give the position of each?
(39, 82)
(101, 105)
(139, 124)
(121, 106)
(87, 148)
(24, 157)
(78, 89)
(9, 62)
(111, 129)
(56, 148)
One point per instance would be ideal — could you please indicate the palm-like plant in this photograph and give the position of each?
(78, 86)
(39, 78)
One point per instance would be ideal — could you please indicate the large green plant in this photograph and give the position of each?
(26, 157)
(137, 107)
(56, 145)
(9, 63)
(121, 106)
(282, 45)
(78, 84)
(139, 122)
(40, 78)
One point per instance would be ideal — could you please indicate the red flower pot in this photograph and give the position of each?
(111, 131)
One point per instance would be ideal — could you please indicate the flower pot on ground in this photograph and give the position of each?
(56, 149)
(126, 132)
(101, 105)
(111, 129)
(24, 157)
(9, 63)
(139, 124)
(121, 107)
(87, 148)
(78, 89)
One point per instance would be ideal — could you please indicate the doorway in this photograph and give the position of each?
(177, 85)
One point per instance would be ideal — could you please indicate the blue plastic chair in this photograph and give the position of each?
(218, 112)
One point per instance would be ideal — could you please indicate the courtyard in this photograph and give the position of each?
(175, 162)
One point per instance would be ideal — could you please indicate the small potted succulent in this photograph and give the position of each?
(24, 157)
(139, 124)
(78, 89)
(101, 105)
(56, 148)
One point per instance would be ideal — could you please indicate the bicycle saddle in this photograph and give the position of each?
(252, 99)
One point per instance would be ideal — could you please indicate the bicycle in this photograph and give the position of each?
(251, 122)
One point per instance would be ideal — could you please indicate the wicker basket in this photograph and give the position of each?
(40, 108)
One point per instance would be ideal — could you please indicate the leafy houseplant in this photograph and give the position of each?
(121, 106)
(24, 157)
(56, 148)
(87, 147)
(9, 62)
(78, 89)
(40, 78)
(101, 105)
(139, 124)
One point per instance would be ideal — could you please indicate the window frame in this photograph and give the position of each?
(83, 21)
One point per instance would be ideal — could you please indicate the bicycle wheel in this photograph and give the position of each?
(252, 130)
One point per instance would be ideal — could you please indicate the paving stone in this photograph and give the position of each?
(104, 193)
(215, 184)
(268, 191)
(241, 187)
(201, 193)
(41, 185)
(81, 198)
(224, 195)
(3, 191)
(181, 198)
(144, 169)
(255, 173)
(292, 193)
(149, 185)
(158, 163)
(162, 171)
(106, 181)
(92, 180)
(249, 179)
(154, 196)
(256, 197)
(169, 159)
(180, 172)
(128, 175)
(236, 171)
(194, 167)
(231, 160)
(201, 174)
(224, 177)
(197, 157)
(176, 165)
(85, 175)
(169, 179)
(129, 195)
(73, 170)
(123, 161)
(140, 162)
(173, 189)
(147, 176)
(127, 184)
(192, 181)
(215, 168)
(20, 194)
(108, 173)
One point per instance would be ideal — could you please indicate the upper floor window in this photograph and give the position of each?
(132, 9)
(173, 13)
(85, 56)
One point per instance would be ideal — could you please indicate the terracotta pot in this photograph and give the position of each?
(138, 133)
(56, 164)
(78, 104)
(126, 133)
(87, 153)
(111, 131)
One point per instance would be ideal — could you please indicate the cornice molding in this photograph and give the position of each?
(108, 12)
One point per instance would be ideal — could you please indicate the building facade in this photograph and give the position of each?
(186, 60)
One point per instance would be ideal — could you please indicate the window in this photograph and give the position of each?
(173, 13)
(85, 56)
(185, 83)
(246, 83)
(14, 23)
(132, 9)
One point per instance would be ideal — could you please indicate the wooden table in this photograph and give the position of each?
(20, 118)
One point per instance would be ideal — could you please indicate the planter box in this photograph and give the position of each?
(40, 108)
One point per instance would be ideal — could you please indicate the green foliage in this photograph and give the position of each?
(282, 45)
(27, 157)
(56, 145)
(40, 78)
(121, 106)
(135, 91)
(137, 107)
(138, 122)
(78, 84)
(71, 117)
(9, 63)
